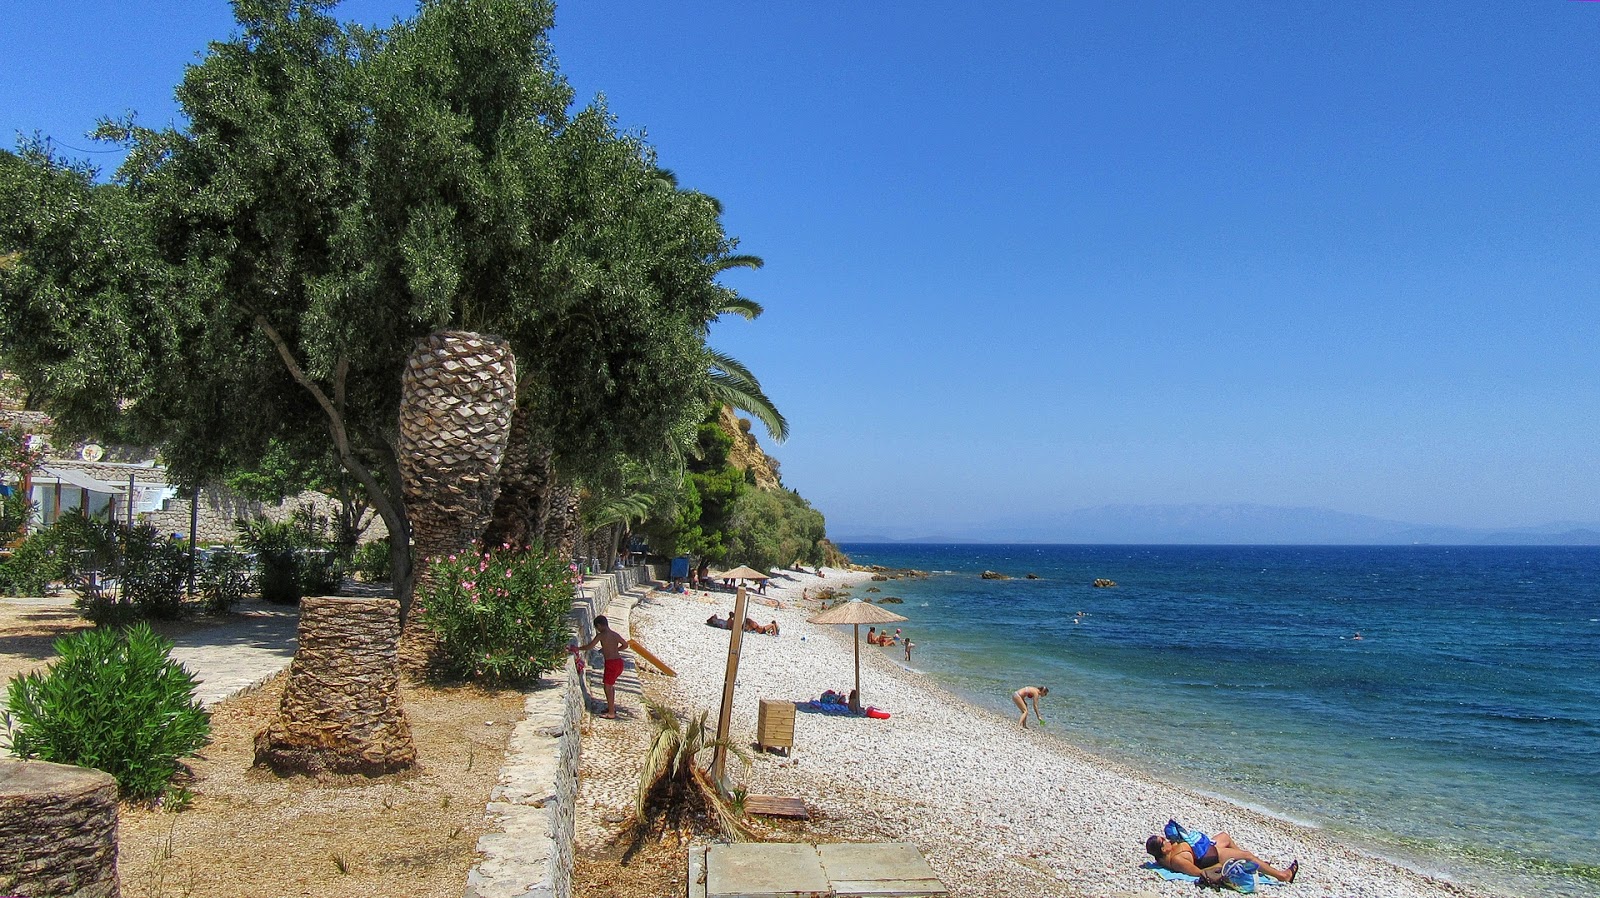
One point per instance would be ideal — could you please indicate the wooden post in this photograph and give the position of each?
(719, 758)
(855, 699)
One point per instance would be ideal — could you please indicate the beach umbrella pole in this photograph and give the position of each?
(856, 705)
(719, 758)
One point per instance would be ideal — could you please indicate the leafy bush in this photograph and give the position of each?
(122, 574)
(153, 570)
(15, 512)
(321, 572)
(501, 615)
(115, 701)
(277, 545)
(226, 577)
(371, 561)
(34, 566)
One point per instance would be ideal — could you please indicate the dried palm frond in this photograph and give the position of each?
(672, 784)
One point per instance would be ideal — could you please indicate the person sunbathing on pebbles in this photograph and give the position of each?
(1207, 857)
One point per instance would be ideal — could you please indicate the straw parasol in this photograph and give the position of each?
(857, 612)
(742, 573)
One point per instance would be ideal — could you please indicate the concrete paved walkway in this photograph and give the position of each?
(226, 656)
(237, 655)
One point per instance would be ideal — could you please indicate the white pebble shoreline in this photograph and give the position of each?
(997, 810)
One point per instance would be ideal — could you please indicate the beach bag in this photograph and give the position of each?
(1237, 874)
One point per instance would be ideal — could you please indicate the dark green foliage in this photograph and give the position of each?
(34, 566)
(774, 529)
(225, 578)
(153, 572)
(277, 545)
(500, 616)
(121, 574)
(115, 701)
(710, 489)
(292, 557)
(371, 561)
(15, 512)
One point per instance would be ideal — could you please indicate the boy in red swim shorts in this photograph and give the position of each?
(611, 646)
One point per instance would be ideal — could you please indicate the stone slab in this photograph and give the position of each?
(765, 870)
(892, 865)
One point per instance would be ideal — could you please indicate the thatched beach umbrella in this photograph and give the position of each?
(742, 572)
(857, 612)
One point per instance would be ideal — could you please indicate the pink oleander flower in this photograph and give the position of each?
(508, 575)
(452, 558)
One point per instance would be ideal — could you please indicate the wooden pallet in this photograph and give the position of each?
(776, 806)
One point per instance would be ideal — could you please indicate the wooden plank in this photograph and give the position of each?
(776, 806)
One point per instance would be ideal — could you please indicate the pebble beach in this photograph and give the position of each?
(996, 809)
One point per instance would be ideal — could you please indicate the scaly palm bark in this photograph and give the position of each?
(457, 394)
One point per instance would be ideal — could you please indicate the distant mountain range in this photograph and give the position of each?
(1238, 525)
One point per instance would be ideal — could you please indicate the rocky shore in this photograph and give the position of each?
(997, 810)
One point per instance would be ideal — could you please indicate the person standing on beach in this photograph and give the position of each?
(611, 645)
(1021, 697)
(908, 649)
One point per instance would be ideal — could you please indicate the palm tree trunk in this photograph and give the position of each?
(341, 710)
(524, 477)
(456, 399)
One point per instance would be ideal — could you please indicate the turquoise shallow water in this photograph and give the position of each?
(1460, 734)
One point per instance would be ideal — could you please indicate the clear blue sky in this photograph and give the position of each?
(1032, 257)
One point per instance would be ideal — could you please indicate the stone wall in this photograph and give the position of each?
(533, 811)
(220, 508)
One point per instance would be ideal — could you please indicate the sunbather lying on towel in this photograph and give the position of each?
(1208, 852)
(751, 626)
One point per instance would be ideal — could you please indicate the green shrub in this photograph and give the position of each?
(225, 578)
(321, 572)
(34, 566)
(153, 570)
(15, 512)
(277, 545)
(371, 561)
(115, 701)
(500, 616)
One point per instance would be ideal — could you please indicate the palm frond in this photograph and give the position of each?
(740, 260)
(731, 383)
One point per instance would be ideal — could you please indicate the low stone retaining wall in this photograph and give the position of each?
(533, 810)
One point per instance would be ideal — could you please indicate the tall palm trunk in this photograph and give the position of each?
(524, 480)
(457, 395)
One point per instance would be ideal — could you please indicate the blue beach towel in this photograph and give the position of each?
(1254, 880)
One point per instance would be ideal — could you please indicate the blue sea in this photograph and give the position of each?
(1459, 735)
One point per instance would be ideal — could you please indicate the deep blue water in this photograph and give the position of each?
(1460, 734)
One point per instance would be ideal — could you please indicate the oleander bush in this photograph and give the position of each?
(114, 700)
(153, 571)
(277, 545)
(35, 566)
(501, 615)
(371, 561)
(225, 578)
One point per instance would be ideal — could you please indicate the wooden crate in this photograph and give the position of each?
(775, 725)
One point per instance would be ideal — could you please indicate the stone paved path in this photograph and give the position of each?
(235, 656)
(227, 657)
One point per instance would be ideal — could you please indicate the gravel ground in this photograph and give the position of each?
(997, 810)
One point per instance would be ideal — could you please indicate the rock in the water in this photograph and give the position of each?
(1102, 583)
(994, 575)
(891, 600)
(1031, 577)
